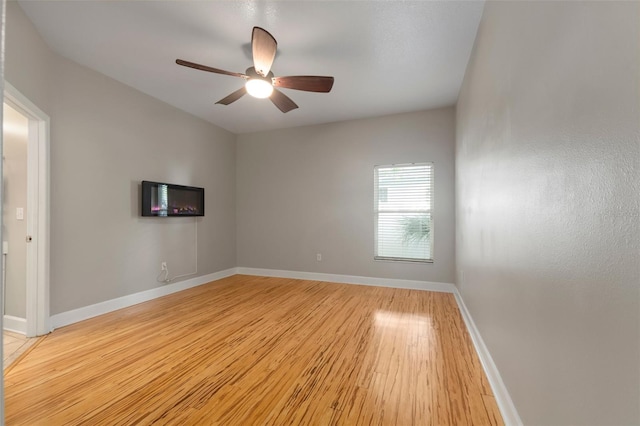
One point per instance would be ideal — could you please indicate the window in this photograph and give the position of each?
(403, 221)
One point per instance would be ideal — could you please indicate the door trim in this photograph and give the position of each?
(38, 221)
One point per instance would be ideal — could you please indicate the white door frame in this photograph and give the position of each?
(37, 290)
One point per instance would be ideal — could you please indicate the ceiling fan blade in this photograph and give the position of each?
(309, 83)
(282, 101)
(210, 69)
(264, 48)
(233, 97)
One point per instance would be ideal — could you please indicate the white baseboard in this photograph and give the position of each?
(86, 312)
(350, 279)
(15, 324)
(505, 404)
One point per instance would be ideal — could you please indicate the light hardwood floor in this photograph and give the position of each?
(254, 350)
(14, 345)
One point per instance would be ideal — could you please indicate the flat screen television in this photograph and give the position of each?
(165, 199)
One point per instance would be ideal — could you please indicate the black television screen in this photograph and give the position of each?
(165, 199)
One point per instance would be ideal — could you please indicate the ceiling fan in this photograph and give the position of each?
(260, 81)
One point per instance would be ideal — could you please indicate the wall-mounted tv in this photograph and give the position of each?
(165, 199)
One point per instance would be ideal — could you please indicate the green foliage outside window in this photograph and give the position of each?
(415, 229)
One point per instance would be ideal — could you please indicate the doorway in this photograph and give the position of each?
(34, 217)
(14, 226)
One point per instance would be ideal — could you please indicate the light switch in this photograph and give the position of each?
(20, 213)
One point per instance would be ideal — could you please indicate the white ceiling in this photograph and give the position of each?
(386, 56)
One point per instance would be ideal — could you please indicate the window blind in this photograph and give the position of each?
(403, 203)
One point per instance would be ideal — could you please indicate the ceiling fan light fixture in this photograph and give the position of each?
(259, 88)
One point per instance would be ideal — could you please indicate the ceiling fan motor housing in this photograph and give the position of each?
(253, 75)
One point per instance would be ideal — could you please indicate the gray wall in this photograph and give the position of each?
(14, 195)
(27, 57)
(105, 138)
(547, 184)
(309, 190)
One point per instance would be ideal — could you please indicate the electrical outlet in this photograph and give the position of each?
(319, 257)
(163, 266)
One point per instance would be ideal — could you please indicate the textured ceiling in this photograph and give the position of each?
(386, 56)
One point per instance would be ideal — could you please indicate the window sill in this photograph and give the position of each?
(402, 260)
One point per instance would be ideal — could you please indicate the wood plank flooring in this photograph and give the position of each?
(259, 351)
(14, 345)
